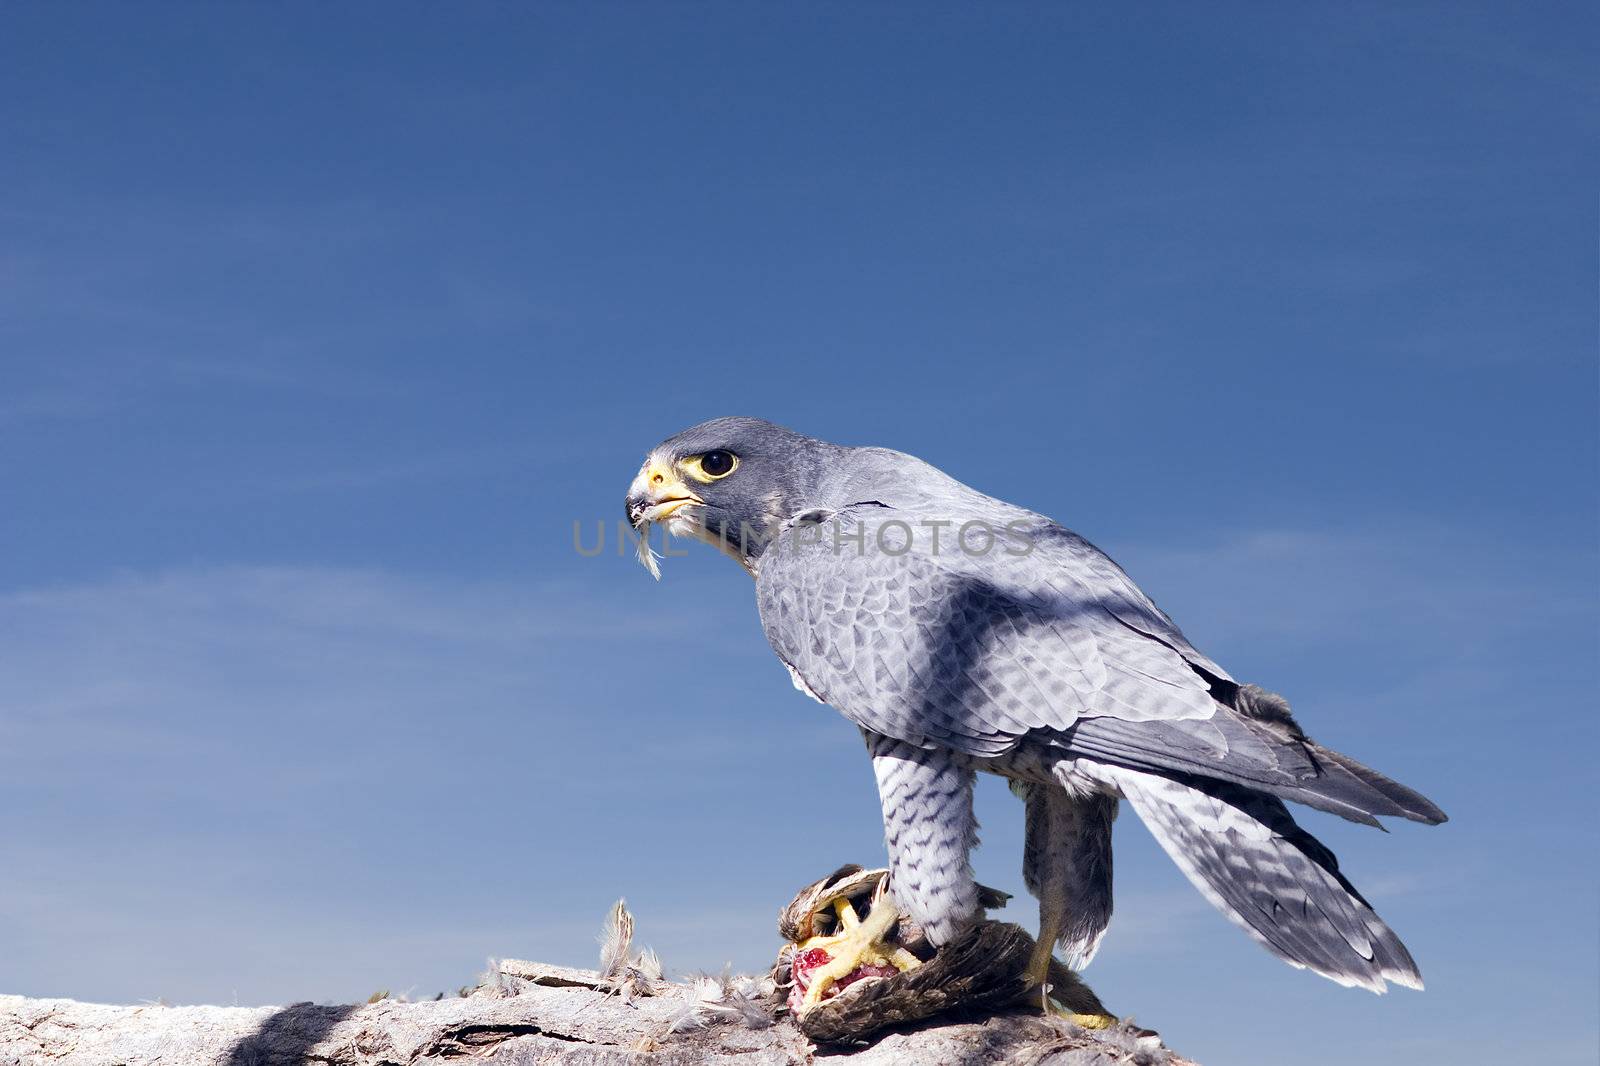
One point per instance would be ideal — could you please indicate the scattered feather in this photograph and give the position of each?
(628, 974)
(723, 998)
(493, 982)
(695, 1012)
(1136, 1047)
(616, 940)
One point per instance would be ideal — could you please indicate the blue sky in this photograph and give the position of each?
(320, 326)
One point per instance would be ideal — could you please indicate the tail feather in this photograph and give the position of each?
(1244, 751)
(1386, 796)
(1245, 854)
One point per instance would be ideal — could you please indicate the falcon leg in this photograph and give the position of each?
(1047, 871)
(1038, 971)
(1051, 986)
(930, 831)
(1062, 865)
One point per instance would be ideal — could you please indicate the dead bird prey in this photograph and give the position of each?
(961, 633)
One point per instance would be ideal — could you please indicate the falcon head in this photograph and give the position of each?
(728, 482)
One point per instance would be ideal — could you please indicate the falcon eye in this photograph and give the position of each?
(712, 465)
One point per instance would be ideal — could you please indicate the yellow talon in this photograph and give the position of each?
(1087, 1021)
(1038, 980)
(903, 960)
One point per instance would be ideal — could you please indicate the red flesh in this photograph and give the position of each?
(805, 963)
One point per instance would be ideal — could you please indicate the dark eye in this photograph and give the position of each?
(717, 463)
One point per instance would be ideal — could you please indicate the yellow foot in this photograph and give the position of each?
(1038, 977)
(857, 943)
(1087, 1021)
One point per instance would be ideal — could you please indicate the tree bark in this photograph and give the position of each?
(526, 1014)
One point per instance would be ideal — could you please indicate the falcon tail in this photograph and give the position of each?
(1344, 780)
(1245, 854)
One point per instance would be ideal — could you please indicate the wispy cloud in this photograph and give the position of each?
(1422, 581)
(167, 674)
(190, 756)
(48, 404)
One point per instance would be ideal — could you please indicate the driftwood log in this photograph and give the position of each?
(527, 1014)
(627, 1012)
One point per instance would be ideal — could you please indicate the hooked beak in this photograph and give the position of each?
(656, 494)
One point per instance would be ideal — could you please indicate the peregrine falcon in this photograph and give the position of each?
(961, 633)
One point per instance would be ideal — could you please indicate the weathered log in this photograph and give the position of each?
(523, 1013)
(526, 1014)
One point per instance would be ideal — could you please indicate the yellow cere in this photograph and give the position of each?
(660, 479)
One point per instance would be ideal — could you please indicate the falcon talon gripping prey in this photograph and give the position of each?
(1039, 660)
(877, 973)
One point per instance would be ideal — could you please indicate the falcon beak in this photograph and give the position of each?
(657, 493)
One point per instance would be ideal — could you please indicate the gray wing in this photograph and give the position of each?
(1041, 639)
(963, 651)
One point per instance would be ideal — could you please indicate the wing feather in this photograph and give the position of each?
(971, 652)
